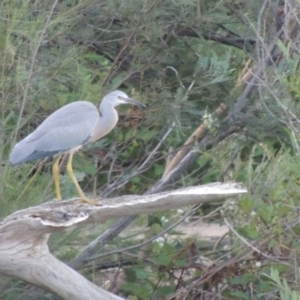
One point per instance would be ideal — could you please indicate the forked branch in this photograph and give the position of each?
(24, 252)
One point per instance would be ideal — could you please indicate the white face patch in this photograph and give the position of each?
(121, 101)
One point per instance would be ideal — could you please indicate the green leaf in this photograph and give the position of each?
(246, 203)
(163, 291)
(136, 179)
(163, 260)
(148, 135)
(248, 232)
(89, 169)
(180, 263)
(285, 49)
(242, 280)
(143, 291)
(266, 213)
(280, 268)
(158, 170)
(141, 274)
(240, 295)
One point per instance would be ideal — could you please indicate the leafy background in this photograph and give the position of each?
(184, 59)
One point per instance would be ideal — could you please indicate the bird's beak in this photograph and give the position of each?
(134, 102)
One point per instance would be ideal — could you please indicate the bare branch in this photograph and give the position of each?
(24, 252)
(220, 188)
(147, 241)
(195, 137)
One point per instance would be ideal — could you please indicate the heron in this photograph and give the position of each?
(68, 129)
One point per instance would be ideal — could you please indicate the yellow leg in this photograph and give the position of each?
(79, 190)
(55, 169)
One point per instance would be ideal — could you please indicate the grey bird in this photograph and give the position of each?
(67, 130)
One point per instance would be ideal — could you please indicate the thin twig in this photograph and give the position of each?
(157, 147)
(113, 68)
(147, 241)
(251, 246)
(176, 73)
(141, 168)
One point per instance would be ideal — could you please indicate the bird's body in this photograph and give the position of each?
(62, 131)
(69, 128)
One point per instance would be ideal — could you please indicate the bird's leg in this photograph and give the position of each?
(79, 190)
(55, 169)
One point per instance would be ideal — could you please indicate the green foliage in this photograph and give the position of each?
(156, 52)
(265, 216)
(155, 278)
(286, 293)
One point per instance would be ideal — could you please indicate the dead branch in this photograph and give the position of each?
(195, 137)
(160, 185)
(24, 253)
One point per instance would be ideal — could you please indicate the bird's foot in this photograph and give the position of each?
(90, 201)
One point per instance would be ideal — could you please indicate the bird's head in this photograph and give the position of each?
(116, 98)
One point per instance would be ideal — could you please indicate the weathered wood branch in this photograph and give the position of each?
(24, 252)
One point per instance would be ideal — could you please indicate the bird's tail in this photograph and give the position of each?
(21, 153)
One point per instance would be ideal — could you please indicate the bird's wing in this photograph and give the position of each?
(67, 128)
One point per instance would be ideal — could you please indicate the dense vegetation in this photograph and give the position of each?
(221, 79)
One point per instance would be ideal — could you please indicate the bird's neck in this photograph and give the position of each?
(108, 119)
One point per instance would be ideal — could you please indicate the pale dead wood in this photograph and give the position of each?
(203, 129)
(24, 252)
(196, 136)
